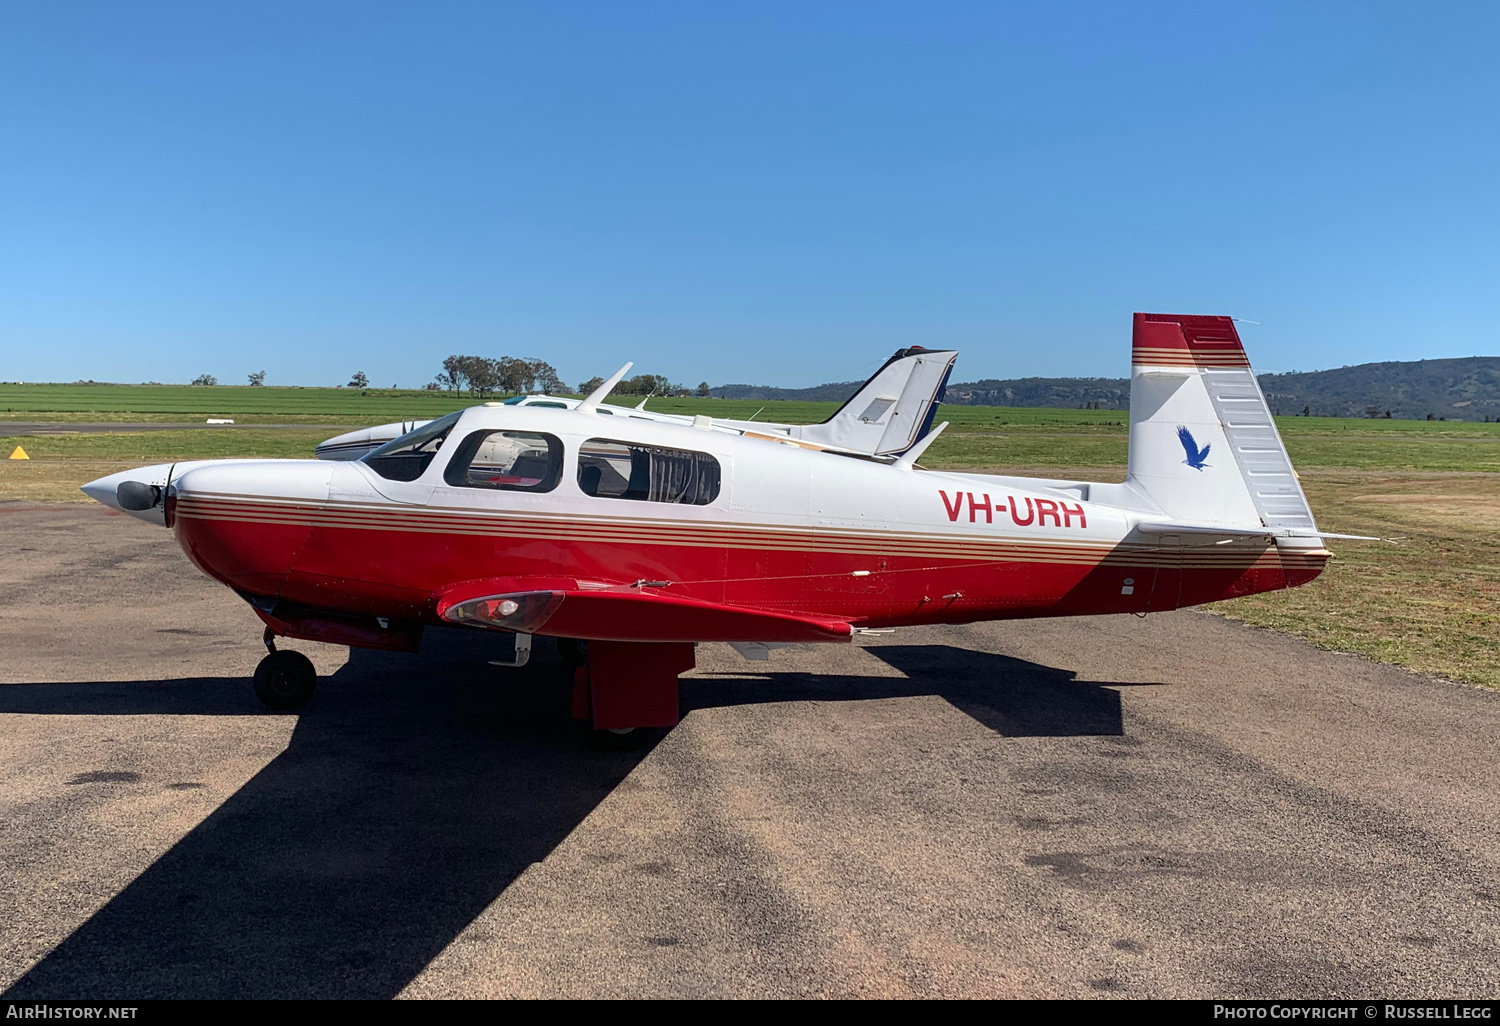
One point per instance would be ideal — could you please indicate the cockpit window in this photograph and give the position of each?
(404, 458)
(516, 461)
(628, 470)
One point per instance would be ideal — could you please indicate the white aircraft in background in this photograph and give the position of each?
(889, 414)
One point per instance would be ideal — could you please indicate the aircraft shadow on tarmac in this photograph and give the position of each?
(405, 804)
(1012, 697)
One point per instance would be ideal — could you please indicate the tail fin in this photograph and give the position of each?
(1203, 444)
(893, 410)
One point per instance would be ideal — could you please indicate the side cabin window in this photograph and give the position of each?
(405, 458)
(629, 470)
(516, 461)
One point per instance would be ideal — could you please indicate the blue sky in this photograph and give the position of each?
(770, 193)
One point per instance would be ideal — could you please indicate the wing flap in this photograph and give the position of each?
(612, 612)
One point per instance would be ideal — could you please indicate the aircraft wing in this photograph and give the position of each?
(643, 611)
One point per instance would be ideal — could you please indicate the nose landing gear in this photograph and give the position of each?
(284, 680)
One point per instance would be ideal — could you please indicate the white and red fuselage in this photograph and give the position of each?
(791, 531)
(789, 544)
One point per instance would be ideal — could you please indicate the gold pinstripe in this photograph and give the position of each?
(1160, 357)
(563, 528)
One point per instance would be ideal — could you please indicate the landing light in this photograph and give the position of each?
(525, 612)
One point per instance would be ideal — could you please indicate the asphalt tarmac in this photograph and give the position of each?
(1169, 806)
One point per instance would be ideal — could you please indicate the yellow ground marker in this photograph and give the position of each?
(19, 454)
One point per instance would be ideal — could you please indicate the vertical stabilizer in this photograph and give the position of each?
(893, 410)
(1203, 444)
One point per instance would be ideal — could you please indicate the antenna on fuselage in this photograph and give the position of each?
(598, 395)
(909, 458)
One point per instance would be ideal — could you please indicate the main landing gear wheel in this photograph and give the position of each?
(285, 680)
(626, 739)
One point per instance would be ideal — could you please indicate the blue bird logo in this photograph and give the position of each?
(1195, 456)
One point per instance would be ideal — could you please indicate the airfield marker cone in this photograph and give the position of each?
(19, 454)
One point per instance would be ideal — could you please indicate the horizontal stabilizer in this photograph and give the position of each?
(1243, 532)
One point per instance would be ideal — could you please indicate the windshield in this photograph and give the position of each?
(404, 458)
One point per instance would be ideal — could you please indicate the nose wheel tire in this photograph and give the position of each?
(285, 680)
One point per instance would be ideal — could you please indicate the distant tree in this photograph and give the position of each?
(546, 377)
(474, 372)
(703, 390)
(1372, 412)
(585, 387)
(359, 380)
(435, 386)
(1387, 414)
(514, 375)
(1429, 416)
(483, 374)
(1307, 411)
(646, 384)
(209, 379)
(453, 376)
(257, 379)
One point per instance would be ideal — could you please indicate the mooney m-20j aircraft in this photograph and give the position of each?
(629, 540)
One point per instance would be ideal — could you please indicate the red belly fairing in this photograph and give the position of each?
(391, 561)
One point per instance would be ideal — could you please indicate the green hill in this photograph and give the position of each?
(1458, 389)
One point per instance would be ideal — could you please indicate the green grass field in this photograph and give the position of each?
(1427, 596)
(192, 402)
(268, 405)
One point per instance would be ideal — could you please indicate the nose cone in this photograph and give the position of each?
(106, 490)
